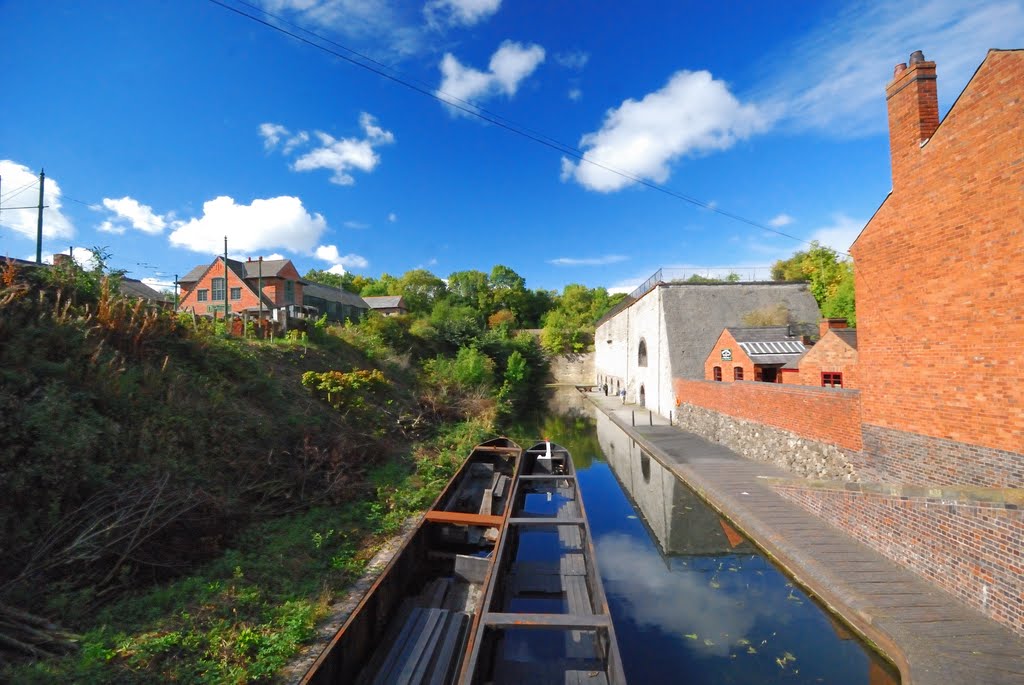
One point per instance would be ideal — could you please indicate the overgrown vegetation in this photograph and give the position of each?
(830, 278)
(182, 506)
(470, 303)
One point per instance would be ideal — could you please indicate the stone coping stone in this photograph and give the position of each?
(1009, 498)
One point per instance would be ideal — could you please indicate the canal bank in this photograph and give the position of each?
(931, 637)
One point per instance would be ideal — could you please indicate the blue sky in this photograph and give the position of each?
(165, 126)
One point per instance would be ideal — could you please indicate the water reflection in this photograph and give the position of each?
(692, 600)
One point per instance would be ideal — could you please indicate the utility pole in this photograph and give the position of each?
(175, 292)
(259, 294)
(228, 330)
(39, 224)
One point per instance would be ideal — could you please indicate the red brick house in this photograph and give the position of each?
(753, 354)
(203, 288)
(940, 282)
(831, 362)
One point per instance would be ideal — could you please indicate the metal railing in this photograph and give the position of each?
(677, 275)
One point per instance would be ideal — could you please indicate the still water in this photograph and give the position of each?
(693, 601)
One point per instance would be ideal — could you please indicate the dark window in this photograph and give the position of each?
(769, 374)
(218, 289)
(737, 373)
(645, 466)
(718, 373)
(289, 292)
(202, 295)
(831, 379)
(641, 354)
(236, 293)
(643, 397)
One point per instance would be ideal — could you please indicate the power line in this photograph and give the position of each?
(502, 122)
(30, 184)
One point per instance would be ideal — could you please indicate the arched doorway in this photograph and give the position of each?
(643, 397)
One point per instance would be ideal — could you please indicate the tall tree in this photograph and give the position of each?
(829, 278)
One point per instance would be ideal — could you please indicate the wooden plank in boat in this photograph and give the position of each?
(569, 621)
(463, 519)
(577, 594)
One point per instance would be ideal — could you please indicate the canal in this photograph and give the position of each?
(693, 601)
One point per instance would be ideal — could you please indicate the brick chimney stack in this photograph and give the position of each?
(913, 102)
(826, 325)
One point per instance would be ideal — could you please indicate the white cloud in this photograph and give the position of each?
(575, 94)
(341, 155)
(110, 227)
(340, 263)
(272, 134)
(130, 212)
(24, 221)
(781, 220)
(460, 12)
(588, 261)
(356, 225)
(510, 64)
(83, 256)
(274, 255)
(385, 28)
(840, 234)
(834, 79)
(693, 113)
(392, 217)
(277, 222)
(158, 284)
(575, 59)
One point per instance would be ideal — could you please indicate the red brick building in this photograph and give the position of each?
(203, 288)
(753, 354)
(940, 283)
(934, 379)
(831, 362)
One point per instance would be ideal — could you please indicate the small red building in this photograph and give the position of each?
(753, 354)
(831, 362)
(204, 287)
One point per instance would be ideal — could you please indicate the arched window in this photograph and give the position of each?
(737, 373)
(718, 373)
(643, 397)
(641, 354)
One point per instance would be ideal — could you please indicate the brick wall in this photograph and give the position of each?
(828, 354)
(940, 305)
(739, 359)
(827, 415)
(973, 549)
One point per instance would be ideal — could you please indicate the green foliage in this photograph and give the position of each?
(457, 325)
(830, 279)
(469, 369)
(352, 391)
(333, 280)
(420, 289)
(570, 326)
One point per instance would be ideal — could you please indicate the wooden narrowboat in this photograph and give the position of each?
(544, 616)
(415, 623)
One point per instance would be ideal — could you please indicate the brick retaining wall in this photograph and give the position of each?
(827, 415)
(971, 548)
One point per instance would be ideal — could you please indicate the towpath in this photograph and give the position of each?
(929, 634)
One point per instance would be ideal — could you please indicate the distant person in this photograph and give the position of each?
(622, 394)
(606, 390)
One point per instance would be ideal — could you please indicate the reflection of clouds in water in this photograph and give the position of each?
(677, 603)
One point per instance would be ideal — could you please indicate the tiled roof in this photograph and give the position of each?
(384, 301)
(769, 344)
(333, 295)
(848, 335)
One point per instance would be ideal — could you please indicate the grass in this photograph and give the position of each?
(242, 617)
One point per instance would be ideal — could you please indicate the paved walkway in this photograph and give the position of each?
(932, 637)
